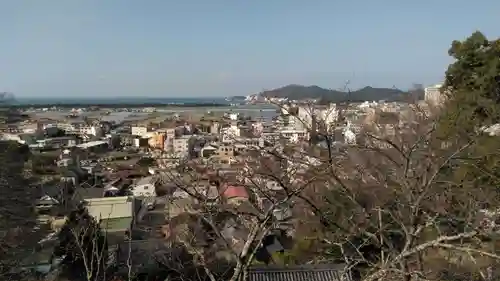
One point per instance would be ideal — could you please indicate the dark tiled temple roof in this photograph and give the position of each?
(324, 272)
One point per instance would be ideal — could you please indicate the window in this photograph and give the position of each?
(146, 187)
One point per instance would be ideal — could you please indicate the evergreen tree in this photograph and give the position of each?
(472, 82)
(18, 235)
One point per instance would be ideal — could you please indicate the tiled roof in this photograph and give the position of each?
(308, 272)
(235, 192)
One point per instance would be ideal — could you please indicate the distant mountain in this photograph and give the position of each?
(299, 92)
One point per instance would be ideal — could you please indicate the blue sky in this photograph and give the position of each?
(177, 48)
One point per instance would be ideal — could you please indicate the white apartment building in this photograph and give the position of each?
(294, 135)
(90, 130)
(139, 130)
(433, 95)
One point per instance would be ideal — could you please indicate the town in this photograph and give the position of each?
(140, 174)
(237, 141)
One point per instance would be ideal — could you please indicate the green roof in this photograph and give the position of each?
(116, 224)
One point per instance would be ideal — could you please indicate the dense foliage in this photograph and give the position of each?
(472, 86)
(18, 234)
(298, 92)
(473, 81)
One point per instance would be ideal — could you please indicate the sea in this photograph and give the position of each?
(124, 100)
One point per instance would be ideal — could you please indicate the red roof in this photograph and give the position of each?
(232, 191)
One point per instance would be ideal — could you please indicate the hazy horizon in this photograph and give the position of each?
(206, 96)
(162, 48)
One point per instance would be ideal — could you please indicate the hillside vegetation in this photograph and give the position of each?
(299, 92)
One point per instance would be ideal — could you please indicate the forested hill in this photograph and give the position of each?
(299, 92)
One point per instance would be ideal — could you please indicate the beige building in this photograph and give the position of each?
(139, 130)
(225, 149)
(181, 145)
(169, 140)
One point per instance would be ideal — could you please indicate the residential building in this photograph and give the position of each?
(29, 127)
(208, 150)
(225, 149)
(69, 128)
(139, 130)
(181, 145)
(144, 187)
(93, 130)
(433, 95)
(231, 132)
(115, 214)
(294, 135)
(234, 193)
(157, 140)
(215, 128)
(77, 128)
(124, 139)
(169, 140)
(54, 143)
